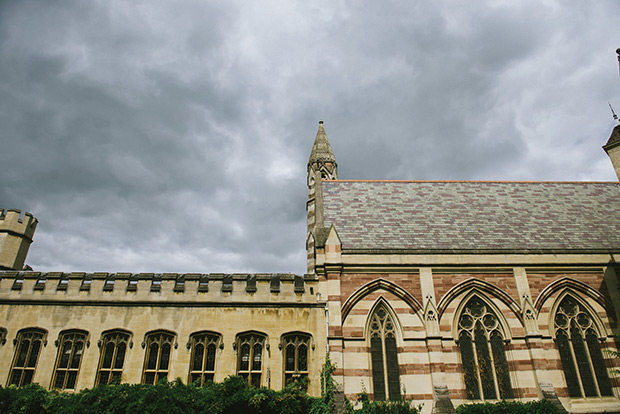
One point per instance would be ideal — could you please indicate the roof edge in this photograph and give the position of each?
(472, 181)
(480, 251)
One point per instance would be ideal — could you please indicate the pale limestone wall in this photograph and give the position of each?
(227, 313)
(15, 238)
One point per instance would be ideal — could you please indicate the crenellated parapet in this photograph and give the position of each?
(16, 232)
(284, 288)
(12, 221)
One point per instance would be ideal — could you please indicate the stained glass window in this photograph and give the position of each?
(580, 351)
(383, 355)
(481, 342)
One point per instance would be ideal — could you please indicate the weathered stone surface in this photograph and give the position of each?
(548, 393)
(443, 403)
(340, 406)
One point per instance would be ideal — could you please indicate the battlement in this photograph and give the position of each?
(159, 287)
(12, 222)
(16, 233)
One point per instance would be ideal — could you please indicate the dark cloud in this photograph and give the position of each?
(151, 136)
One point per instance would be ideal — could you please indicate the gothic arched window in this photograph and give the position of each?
(385, 373)
(158, 346)
(250, 357)
(580, 351)
(481, 342)
(113, 346)
(71, 345)
(203, 346)
(29, 343)
(295, 349)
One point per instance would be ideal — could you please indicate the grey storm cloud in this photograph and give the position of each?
(173, 136)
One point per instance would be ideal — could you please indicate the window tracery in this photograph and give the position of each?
(580, 351)
(112, 356)
(481, 343)
(295, 349)
(157, 359)
(250, 357)
(203, 346)
(29, 343)
(71, 345)
(384, 358)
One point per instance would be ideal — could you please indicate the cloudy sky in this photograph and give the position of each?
(167, 136)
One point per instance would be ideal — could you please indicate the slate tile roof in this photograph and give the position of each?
(474, 216)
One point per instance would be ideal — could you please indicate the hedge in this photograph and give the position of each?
(232, 396)
(509, 407)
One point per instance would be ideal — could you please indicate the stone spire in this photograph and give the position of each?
(322, 159)
(321, 166)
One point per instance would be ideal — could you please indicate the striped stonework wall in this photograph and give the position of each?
(522, 298)
(522, 380)
(411, 345)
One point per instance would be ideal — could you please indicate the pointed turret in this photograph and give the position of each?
(321, 166)
(322, 157)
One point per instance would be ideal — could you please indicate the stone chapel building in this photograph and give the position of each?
(444, 292)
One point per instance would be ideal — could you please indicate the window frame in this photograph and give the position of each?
(121, 335)
(165, 337)
(295, 340)
(592, 326)
(206, 339)
(498, 360)
(74, 336)
(17, 342)
(253, 338)
(384, 366)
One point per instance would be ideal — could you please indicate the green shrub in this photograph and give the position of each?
(30, 399)
(232, 396)
(386, 407)
(509, 407)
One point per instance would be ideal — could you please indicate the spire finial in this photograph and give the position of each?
(612, 110)
(322, 157)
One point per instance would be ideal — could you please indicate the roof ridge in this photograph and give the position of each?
(476, 181)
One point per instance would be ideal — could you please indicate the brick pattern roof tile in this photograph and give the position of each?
(474, 215)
